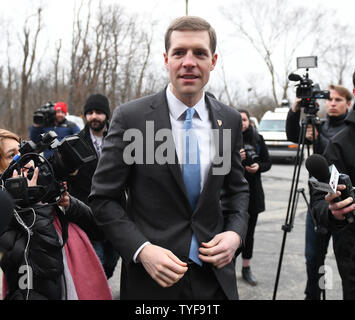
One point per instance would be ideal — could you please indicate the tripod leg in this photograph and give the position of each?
(287, 227)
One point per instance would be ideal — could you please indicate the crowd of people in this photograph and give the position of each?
(177, 221)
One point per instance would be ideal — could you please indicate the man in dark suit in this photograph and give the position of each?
(186, 211)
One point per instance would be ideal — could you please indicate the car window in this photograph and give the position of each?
(272, 125)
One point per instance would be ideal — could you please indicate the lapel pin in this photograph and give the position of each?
(219, 122)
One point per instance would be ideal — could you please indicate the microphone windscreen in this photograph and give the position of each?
(318, 167)
(294, 77)
(6, 210)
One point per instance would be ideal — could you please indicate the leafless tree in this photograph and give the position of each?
(56, 68)
(338, 53)
(276, 30)
(29, 47)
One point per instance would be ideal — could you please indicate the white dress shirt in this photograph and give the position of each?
(202, 127)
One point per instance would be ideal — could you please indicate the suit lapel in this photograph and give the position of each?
(217, 121)
(161, 119)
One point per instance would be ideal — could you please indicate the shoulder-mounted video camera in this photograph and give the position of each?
(45, 115)
(70, 154)
(306, 90)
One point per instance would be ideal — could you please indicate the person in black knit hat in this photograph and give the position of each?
(99, 103)
(97, 114)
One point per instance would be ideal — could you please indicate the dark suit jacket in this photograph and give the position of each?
(157, 208)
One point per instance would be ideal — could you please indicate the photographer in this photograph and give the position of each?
(52, 120)
(255, 158)
(340, 153)
(46, 240)
(337, 110)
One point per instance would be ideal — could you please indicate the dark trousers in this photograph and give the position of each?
(344, 251)
(247, 251)
(108, 256)
(198, 283)
(315, 252)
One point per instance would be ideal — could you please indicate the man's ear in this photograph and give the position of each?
(214, 60)
(166, 60)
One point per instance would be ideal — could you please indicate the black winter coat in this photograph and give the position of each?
(257, 197)
(79, 185)
(327, 128)
(44, 251)
(341, 153)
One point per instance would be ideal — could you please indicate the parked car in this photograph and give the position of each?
(255, 122)
(77, 120)
(272, 128)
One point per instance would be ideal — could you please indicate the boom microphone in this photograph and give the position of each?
(325, 179)
(7, 209)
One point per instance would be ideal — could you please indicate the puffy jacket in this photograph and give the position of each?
(43, 252)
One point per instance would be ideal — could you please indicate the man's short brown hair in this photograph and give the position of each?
(191, 23)
(342, 91)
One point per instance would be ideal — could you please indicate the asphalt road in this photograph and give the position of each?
(267, 246)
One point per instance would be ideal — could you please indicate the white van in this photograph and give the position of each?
(273, 128)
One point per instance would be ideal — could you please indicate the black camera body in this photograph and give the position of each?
(306, 90)
(251, 155)
(45, 115)
(70, 154)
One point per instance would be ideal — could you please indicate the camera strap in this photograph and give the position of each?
(63, 222)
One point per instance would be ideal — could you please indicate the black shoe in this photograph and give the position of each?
(248, 276)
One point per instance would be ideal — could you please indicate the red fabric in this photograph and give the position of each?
(4, 287)
(62, 106)
(84, 265)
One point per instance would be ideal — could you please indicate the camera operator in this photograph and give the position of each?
(340, 152)
(46, 238)
(97, 115)
(337, 110)
(255, 158)
(59, 124)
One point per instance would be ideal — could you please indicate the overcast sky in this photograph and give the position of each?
(58, 14)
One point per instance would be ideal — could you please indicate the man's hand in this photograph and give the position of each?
(162, 265)
(24, 171)
(296, 105)
(64, 200)
(242, 154)
(253, 168)
(339, 209)
(221, 249)
(309, 133)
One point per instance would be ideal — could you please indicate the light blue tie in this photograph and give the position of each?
(192, 175)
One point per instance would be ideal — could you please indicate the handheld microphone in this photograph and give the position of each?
(7, 209)
(326, 179)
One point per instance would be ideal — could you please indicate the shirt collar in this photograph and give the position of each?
(177, 108)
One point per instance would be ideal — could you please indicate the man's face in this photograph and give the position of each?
(59, 115)
(96, 120)
(245, 121)
(336, 105)
(189, 62)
